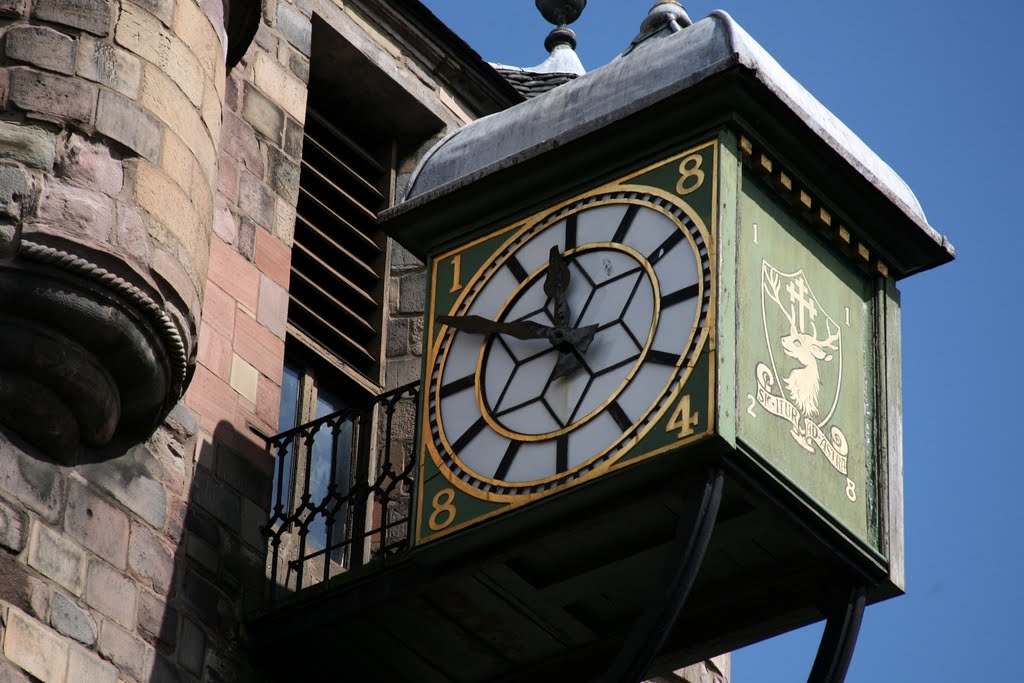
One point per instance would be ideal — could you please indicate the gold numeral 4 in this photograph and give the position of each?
(682, 419)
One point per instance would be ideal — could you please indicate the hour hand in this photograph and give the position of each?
(474, 324)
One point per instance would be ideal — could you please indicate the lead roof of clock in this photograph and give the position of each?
(667, 65)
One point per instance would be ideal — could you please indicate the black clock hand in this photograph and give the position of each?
(523, 329)
(556, 286)
(474, 324)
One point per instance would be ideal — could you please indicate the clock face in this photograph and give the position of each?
(568, 344)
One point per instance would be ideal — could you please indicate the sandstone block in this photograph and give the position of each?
(239, 142)
(265, 116)
(158, 623)
(246, 242)
(121, 119)
(124, 649)
(225, 225)
(162, 9)
(295, 27)
(12, 8)
(176, 159)
(91, 165)
(212, 495)
(38, 485)
(243, 378)
(111, 592)
(284, 223)
(71, 620)
(402, 372)
(252, 482)
(143, 34)
(205, 600)
(126, 480)
(293, 139)
(167, 103)
(89, 15)
(52, 98)
(191, 647)
(280, 86)
(259, 346)
(256, 200)
(237, 277)
(77, 209)
(58, 558)
(196, 31)
(97, 525)
(131, 232)
(211, 109)
(42, 47)
(85, 667)
(27, 144)
(13, 524)
(398, 337)
(35, 648)
(284, 175)
(211, 397)
(168, 203)
(412, 293)
(273, 310)
(416, 336)
(109, 65)
(150, 559)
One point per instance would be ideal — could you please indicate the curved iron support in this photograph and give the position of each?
(701, 501)
(839, 638)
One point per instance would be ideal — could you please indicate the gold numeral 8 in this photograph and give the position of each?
(443, 508)
(691, 177)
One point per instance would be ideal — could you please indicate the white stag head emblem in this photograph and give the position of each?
(803, 384)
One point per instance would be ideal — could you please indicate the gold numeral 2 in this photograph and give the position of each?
(456, 274)
(691, 177)
(443, 508)
(682, 419)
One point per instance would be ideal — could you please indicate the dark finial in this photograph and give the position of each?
(561, 12)
(665, 13)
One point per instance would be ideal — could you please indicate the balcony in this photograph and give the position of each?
(549, 593)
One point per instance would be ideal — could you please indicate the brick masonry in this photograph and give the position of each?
(122, 133)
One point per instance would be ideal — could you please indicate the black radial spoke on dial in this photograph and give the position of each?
(662, 357)
(562, 453)
(665, 247)
(458, 385)
(518, 406)
(507, 460)
(620, 276)
(579, 401)
(584, 307)
(469, 435)
(678, 297)
(552, 413)
(613, 368)
(619, 415)
(516, 268)
(570, 232)
(627, 220)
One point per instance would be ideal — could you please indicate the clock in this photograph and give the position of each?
(560, 349)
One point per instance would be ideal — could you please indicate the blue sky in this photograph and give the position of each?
(937, 90)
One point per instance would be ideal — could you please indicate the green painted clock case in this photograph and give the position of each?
(686, 179)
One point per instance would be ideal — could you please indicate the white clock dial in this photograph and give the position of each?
(506, 416)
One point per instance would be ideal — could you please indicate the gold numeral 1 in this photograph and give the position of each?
(691, 177)
(443, 508)
(682, 419)
(456, 274)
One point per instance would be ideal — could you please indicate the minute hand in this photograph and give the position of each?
(523, 329)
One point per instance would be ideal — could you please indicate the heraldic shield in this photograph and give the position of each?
(802, 381)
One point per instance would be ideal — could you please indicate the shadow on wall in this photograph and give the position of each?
(137, 563)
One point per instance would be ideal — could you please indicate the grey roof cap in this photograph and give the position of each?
(658, 68)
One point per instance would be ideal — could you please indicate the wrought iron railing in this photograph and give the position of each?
(341, 491)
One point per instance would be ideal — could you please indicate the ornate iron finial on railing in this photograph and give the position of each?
(561, 13)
